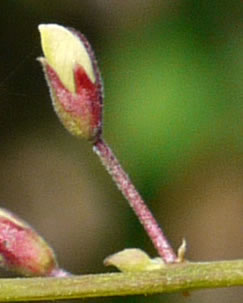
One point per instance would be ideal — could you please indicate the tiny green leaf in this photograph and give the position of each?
(133, 260)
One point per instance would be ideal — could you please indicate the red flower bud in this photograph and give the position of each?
(74, 80)
(22, 249)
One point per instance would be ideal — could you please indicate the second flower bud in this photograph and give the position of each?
(74, 80)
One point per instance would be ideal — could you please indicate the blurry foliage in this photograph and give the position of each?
(173, 115)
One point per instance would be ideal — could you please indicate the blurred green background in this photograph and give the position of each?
(173, 114)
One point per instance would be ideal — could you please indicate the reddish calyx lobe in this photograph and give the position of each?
(23, 251)
(80, 112)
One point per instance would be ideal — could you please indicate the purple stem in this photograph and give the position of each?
(135, 200)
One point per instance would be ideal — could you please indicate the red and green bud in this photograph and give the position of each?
(74, 80)
(22, 250)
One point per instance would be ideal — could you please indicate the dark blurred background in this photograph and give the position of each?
(173, 114)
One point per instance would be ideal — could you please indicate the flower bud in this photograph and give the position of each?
(74, 80)
(22, 249)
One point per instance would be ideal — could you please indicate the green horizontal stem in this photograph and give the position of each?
(173, 278)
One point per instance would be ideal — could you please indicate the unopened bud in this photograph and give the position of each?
(22, 249)
(74, 80)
